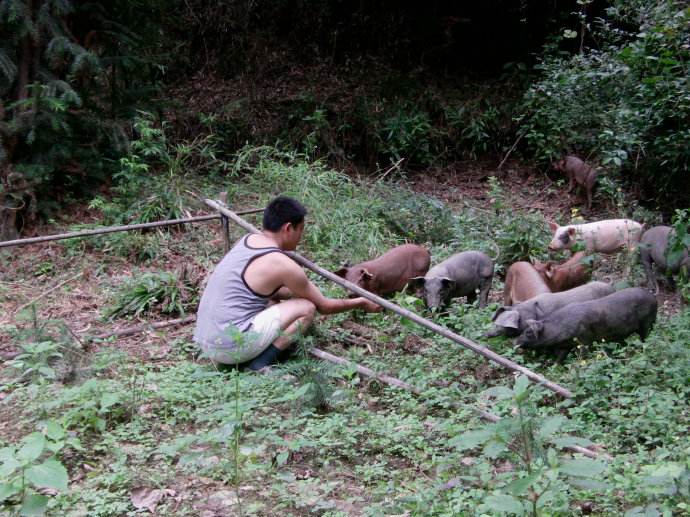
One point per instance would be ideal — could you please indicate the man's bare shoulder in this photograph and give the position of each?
(278, 260)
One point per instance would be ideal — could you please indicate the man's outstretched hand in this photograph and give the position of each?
(369, 306)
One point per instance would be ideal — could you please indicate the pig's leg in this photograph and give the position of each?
(646, 259)
(484, 288)
(571, 182)
(588, 189)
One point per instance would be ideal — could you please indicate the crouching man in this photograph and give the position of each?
(238, 299)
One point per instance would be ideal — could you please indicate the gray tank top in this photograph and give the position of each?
(227, 299)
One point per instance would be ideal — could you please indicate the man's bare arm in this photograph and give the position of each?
(301, 287)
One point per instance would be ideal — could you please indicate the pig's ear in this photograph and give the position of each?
(366, 275)
(538, 311)
(553, 226)
(342, 272)
(509, 319)
(447, 282)
(548, 270)
(498, 312)
(571, 231)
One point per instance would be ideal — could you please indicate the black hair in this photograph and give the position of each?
(283, 210)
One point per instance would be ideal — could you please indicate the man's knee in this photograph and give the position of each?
(309, 310)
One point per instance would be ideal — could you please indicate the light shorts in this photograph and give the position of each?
(265, 328)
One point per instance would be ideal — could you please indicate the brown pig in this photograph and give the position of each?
(522, 283)
(561, 277)
(391, 271)
(578, 173)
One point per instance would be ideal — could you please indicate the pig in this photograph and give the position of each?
(391, 271)
(611, 318)
(522, 283)
(607, 236)
(578, 172)
(653, 252)
(459, 275)
(569, 274)
(511, 320)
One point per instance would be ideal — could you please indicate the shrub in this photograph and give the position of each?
(169, 293)
(626, 105)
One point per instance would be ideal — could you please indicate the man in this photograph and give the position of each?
(237, 321)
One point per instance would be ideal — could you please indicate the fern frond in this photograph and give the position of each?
(7, 67)
(14, 11)
(85, 62)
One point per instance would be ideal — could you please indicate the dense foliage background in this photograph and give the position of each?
(363, 84)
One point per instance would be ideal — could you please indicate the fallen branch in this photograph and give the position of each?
(443, 331)
(142, 328)
(46, 293)
(510, 151)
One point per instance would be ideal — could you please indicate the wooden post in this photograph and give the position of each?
(225, 230)
(462, 341)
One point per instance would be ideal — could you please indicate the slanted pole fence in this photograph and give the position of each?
(452, 336)
(124, 228)
(335, 359)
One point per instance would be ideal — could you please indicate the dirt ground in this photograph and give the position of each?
(33, 272)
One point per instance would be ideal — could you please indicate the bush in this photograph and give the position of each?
(169, 293)
(626, 105)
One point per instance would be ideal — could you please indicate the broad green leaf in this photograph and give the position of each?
(505, 503)
(493, 449)
(569, 441)
(34, 504)
(471, 439)
(34, 444)
(520, 486)
(6, 453)
(8, 467)
(282, 457)
(551, 425)
(49, 474)
(497, 392)
(582, 467)
(521, 385)
(54, 431)
(8, 490)
(47, 372)
(590, 484)
(109, 400)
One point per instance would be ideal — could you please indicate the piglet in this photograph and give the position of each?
(578, 173)
(654, 252)
(611, 318)
(460, 275)
(391, 271)
(564, 276)
(522, 283)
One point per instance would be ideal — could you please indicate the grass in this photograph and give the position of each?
(314, 439)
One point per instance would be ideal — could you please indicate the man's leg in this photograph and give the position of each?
(295, 316)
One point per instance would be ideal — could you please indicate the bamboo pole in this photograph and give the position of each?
(462, 341)
(332, 358)
(113, 229)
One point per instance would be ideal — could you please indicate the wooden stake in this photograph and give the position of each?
(462, 341)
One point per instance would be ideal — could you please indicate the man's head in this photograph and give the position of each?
(284, 217)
